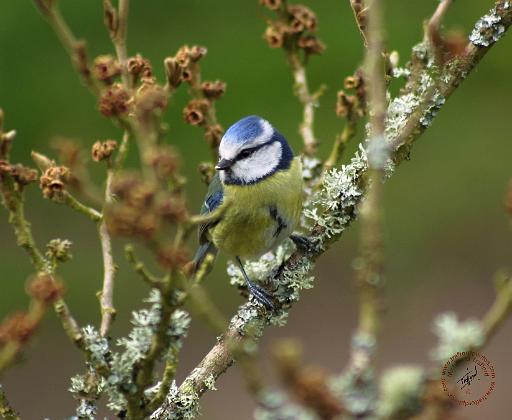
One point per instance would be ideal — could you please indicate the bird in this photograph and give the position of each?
(255, 199)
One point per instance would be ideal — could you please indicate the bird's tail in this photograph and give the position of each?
(205, 249)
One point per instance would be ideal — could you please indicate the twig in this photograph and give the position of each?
(370, 273)
(500, 309)
(360, 11)
(109, 269)
(120, 39)
(349, 130)
(69, 323)
(140, 269)
(72, 202)
(6, 410)
(308, 101)
(118, 35)
(433, 29)
(219, 358)
(74, 47)
(123, 150)
(29, 320)
(13, 200)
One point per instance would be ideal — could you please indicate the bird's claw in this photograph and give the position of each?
(261, 295)
(308, 244)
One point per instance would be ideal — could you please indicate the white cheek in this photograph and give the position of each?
(261, 163)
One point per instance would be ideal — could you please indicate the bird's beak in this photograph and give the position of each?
(224, 164)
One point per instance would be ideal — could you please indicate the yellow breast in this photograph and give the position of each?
(249, 226)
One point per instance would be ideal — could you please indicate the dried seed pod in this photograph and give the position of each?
(150, 99)
(105, 68)
(311, 44)
(345, 105)
(304, 15)
(213, 90)
(183, 56)
(102, 150)
(275, 35)
(195, 111)
(114, 101)
(173, 72)
(23, 175)
(197, 52)
(53, 181)
(139, 67)
(272, 4)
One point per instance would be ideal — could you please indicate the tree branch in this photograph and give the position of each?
(343, 190)
(109, 268)
(6, 410)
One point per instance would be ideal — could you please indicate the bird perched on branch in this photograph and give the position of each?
(257, 194)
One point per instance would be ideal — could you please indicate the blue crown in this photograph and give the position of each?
(244, 130)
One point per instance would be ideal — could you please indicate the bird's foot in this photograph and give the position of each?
(261, 295)
(305, 243)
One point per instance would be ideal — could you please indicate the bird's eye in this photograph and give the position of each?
(245, 153)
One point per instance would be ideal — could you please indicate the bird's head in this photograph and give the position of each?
(251, 150)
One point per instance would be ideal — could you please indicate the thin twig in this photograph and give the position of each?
(349, 131)
(120, 39)
(74, 47)
(308, 101)
(109, 269)
(370, 272)
(360, 10)
(140, 269)
(72, 202)
(434, 26)
(500, 309)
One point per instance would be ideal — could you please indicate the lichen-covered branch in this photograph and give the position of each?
(342, 192)
(6, 410)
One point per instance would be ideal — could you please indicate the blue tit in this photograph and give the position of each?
(257, 193)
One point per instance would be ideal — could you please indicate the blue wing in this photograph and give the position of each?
(214, 198)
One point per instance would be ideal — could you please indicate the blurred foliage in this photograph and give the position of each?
(444, 213)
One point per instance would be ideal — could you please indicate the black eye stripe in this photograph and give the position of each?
(249, 151)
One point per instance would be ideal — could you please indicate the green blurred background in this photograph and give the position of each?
(445, 226)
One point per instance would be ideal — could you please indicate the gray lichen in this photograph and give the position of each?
(209, 383)
(455, 336)
(488, 29)
(275, 406)
(356, 386)
(86, 410)
(185, 405)
(96, 345)
(400, 392)
(134, 349)
(336, 202)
